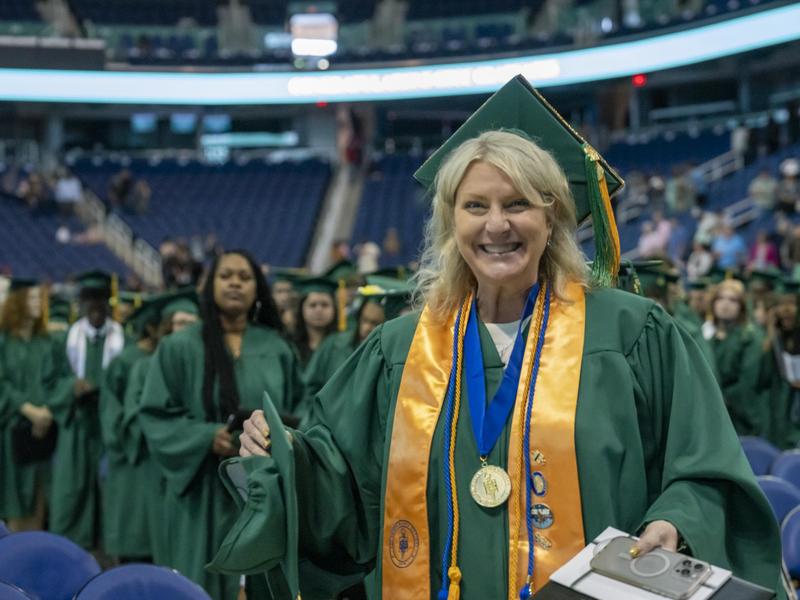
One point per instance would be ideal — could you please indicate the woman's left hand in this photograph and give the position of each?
(657, 534)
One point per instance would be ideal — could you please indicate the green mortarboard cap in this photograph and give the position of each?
(180, 301)
(290, 275)
(95, 280)
(399, 273)
(521, 109)
(770, 278)
(718, 275)
(306, 285)
(639, 276)
(342, 270)
(134, 298)
(145, 314)
(789, 286)
(393, 294)
(60, 310)
(21, 283)
(699, 284)
(249, 551)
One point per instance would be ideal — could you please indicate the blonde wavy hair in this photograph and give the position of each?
(444, 278)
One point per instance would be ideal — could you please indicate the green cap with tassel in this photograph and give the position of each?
(519, 108)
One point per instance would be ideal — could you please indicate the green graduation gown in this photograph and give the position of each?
(75, 497)
(24, 371)
(148, 485)
(738, 359)
(331, 354)
(780, 402)
(124, 519)
(653, 441)
(199, 510)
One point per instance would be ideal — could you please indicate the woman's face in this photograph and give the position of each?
(34, 302)
(181, 320)
(372, 315)
(234, 285)
(500, 234)
(318, 310)
(726, 306)
(786, 313)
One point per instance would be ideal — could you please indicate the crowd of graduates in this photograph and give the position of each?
(116, 408)
(748, 331)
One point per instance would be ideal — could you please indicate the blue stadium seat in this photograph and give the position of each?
(783, 496)
(787, 467)
(4, 530)
(45, 565)
(760, 453)
(790, 540)
(135, 581)
(12, 592)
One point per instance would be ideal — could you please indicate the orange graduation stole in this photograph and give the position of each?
(406, 551)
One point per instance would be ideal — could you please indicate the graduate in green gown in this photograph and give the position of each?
(125, 533)
(199, 382)
(316, 316)
(737, 350)
(26, 363)
(147, 486)
(614, 418)
(780, 389)
(92, 343)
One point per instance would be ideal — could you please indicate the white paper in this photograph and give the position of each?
(577, 574)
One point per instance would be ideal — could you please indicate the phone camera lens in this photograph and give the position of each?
(685, 572)
(687, 563)
(698, 567)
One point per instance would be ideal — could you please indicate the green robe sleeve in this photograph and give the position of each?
(739, 362)
(59, 383)
(133, 441)
(179, 440)
(11, 398)
(112, 391)
(706, 489)
(338, 465)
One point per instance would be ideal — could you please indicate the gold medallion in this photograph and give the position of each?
(490, 486)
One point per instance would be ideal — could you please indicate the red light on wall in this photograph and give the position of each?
(639, 80)
(321, 104)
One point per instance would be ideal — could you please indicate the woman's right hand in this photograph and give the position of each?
(255, 441)
(223, 443)
(40, 417)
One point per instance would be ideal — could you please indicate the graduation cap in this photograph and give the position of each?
(520, 109)
(290, 275)
(394, 295)
(770, 278)
(21, 283)
(306, 285)
(344, 270)
(643, 276)
(699, 284)
(95, 281)
(60, 310)
(187, 303)
(789, 285)
(252, 552)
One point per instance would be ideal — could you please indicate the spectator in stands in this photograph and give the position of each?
(737, 349)
(763, 253)
(790, 251)
(729, 249)
(68, 191)
(119, 189)
(680, 192)
(707, 227)
(678, 245)
(392, 246)
(36, 193)
(368, 256)
(139, 199)
(700, 262)
(655, 237)
(762, 190)
(199, 379)
(788, 191)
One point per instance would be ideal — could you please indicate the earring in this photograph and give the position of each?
(549, 242)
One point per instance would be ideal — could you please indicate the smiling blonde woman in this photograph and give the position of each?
(470, 449)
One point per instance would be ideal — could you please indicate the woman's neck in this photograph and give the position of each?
(232, 324)
(315, 336)
(26, 328)
(499, 304)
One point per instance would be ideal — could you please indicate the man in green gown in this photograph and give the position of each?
(652, 440)
(92, 343)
